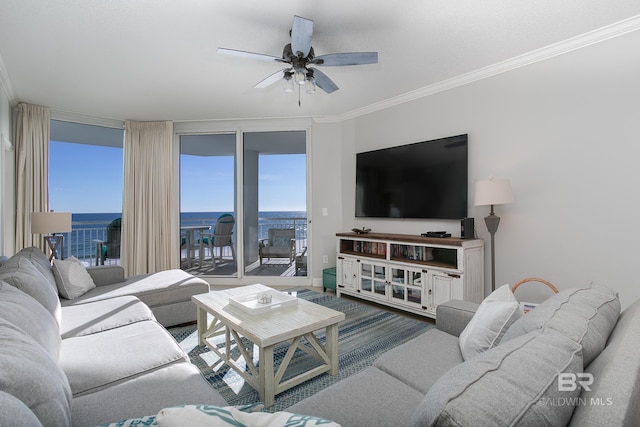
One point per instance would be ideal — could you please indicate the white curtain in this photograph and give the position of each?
(32, 171)
(149, 233)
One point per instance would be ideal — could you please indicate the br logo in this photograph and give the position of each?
(568, 381)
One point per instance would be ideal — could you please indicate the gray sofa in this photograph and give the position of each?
(578, 335)
(167, 293)
(99, 358)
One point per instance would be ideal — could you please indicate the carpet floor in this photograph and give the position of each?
(366, 333)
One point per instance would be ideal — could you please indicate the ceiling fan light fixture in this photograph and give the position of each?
(311, 82)
(300, 76)
(311, 86)
(288, 82)
(297, 71)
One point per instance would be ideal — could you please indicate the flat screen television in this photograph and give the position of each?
(420, 180)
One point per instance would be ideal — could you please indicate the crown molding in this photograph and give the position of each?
(85, 119)
(596, 36)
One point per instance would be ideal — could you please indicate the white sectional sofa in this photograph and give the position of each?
(100, 358)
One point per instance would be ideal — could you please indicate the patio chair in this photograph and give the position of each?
(220, 237)
(301, 263)
(111, 247)
(280, 244)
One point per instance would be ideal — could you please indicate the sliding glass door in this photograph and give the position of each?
(243, 198)
(208, 236)
(275, 200)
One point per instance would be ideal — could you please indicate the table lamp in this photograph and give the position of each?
(493, 192)
(48, 224)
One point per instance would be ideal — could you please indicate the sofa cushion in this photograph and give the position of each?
(92, 317)
(495, 315)
(164, 287)
(13, 412)
(176, 384)
(22, 274)
(72, 279)
(420, 362)
(40, 261)
(515, 383)
(102, 359)
(586, 315)
(32, 376)
(369, 398)
(614, 396)
(30, 316)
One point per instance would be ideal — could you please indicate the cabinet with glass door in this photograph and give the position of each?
(412, 273)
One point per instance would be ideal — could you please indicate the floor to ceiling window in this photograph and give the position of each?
(85, 178)
(207, 204)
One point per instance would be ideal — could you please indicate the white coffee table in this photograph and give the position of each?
(289, 324)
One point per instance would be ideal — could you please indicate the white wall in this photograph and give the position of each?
(566, 132)
(7, 203)
(326, 190)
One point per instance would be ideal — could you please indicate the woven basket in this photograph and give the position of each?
(533, 279)
(529, 306)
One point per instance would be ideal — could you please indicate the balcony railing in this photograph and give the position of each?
(81, 241)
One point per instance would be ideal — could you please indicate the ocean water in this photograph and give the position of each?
(88, 227)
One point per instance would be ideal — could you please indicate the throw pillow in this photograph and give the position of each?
(72, 278)
(490, 322)
(515, 383)
(207, 416)
(586, 315)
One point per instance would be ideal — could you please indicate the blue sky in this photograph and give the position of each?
(88, 179)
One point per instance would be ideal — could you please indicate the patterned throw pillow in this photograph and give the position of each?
(134, 422)
(207, 415)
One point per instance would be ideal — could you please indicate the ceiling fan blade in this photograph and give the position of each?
(301, 34)
(353, 58)
(271, 79)
(324, 82)
(249, 55)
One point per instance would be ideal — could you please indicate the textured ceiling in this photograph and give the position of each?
(157, 60)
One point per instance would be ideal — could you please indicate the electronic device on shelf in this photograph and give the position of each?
(436, 234)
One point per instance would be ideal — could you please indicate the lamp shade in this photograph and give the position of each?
(493, 192)
(50, 222)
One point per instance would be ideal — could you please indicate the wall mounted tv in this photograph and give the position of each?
(421, 180)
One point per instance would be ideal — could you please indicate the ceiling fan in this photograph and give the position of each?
(300, 56)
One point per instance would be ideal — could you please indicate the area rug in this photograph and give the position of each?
(366, 333)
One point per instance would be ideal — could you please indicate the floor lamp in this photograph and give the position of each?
(493, 192)
(50, 223)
